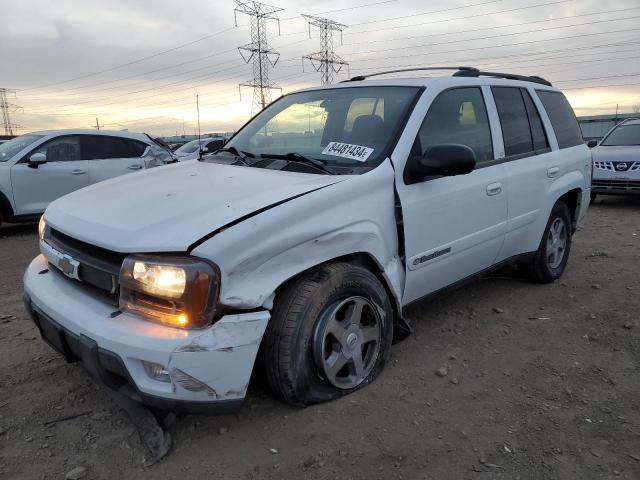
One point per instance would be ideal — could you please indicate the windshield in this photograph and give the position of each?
(188, 147)
(625, 135)
(10, 148)
(348, 127)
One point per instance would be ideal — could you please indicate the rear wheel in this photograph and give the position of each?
(552, 255)
(330, 334)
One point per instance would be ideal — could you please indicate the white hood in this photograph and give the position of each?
(167, 209)
(616, 154)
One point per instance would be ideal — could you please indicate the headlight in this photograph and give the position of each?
(42, 225)
(177, 291)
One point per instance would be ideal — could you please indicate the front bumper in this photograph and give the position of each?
(209, 369)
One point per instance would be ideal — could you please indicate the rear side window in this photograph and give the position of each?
(514, 120)
(99, 147)
(457, 116)
(562, 118)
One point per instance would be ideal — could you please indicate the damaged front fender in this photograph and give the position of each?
(217, 365)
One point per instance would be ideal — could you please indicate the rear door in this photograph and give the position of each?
(453, 226)
(527, 156)
(65, 171)
(111, 156)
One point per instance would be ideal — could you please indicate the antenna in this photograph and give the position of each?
(258, 51)
(326, 61)
(199, 144)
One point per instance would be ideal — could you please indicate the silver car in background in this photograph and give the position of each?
(616, 161)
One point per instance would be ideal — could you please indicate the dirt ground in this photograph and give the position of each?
(543, 381)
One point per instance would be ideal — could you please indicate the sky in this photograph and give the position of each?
(138, 65)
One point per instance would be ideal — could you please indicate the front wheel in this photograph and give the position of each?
(593, 197)
(552, 255)
(330, 334)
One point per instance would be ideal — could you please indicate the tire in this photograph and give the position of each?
(302, 351)
(593, 197)
(546, 266)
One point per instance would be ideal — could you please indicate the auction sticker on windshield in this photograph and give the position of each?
(346, 150)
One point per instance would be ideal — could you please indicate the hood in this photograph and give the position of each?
(169, 208)
(616, 154)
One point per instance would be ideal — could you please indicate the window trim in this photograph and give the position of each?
(406, 178)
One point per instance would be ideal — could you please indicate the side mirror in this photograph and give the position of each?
(204, 149)
(592, 143)
(37, 159)
(444, 160)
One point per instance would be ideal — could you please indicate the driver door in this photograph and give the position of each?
(64, 172)
(454, 226)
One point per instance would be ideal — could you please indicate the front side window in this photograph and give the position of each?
(343, 128)
(625, 135)
(61, 149)
(15, 145)
(563, 120)
(457, 116)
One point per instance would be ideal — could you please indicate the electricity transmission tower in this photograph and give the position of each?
(5, 108)
(326, 61)
(258, 51)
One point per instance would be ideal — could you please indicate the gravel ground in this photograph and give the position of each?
(501, 379)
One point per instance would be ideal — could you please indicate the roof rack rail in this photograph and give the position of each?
(359, 78)
(509, 76)
(459, 72)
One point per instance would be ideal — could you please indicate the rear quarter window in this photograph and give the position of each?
(563, 120)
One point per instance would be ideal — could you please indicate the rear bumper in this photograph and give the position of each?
(208, 369)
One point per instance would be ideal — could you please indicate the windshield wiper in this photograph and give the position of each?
(297, 157)
(239, 154)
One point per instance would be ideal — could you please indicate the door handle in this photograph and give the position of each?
(494, 188)
(553, 172)
(135, 167)
(78, 172)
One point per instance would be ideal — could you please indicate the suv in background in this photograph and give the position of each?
(39, 167)
(616, 161)
(308, 234)
(189, 151)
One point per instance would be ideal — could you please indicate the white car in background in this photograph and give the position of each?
(39, 167)
(189, 151)
(616, 161)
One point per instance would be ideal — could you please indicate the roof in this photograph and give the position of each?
(439, 81)
(90, 131)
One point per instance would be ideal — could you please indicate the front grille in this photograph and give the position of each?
(617, 185)
(99, 268)
(603, 165)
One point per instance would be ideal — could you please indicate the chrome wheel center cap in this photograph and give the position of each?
(352, 339)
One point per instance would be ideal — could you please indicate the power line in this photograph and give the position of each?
(133, 62)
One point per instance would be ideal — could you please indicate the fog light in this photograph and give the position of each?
(156, 371)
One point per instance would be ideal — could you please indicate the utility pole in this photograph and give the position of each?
(5, 108)
(258, 51)
(326, 61)
(97, 124)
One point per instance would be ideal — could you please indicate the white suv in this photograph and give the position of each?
(616, 161)
(309, 234)
(39, 167)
